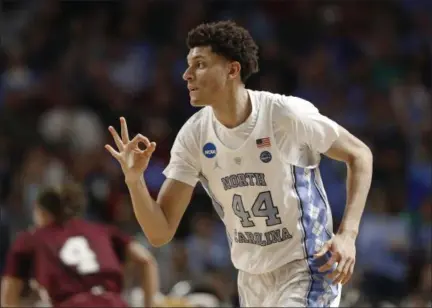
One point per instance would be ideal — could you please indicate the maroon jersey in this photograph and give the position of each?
(70, 259)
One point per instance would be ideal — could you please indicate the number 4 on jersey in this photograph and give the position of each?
(76, 252)
(262, 207)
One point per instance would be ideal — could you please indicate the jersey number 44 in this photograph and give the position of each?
(263, 206)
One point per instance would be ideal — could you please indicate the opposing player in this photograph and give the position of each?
(257, 154)
(74, 263)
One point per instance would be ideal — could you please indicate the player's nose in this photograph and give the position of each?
(187, 75)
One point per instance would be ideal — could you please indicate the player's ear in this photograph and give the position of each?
(234, 69)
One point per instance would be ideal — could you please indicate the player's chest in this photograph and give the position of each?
(249, 167)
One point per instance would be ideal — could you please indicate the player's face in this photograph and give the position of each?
(41, 217)
(207, 76)
(38, 216)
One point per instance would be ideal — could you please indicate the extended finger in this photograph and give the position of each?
(124, 130)
(150, 149)
(338, 273)
(133, 144)
(116, 137)
(349, 274)
(323, 250)
(113, 152)
(329, 264)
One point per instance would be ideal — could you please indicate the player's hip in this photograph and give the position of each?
(94, 299)
(250, 255)
(292, 285)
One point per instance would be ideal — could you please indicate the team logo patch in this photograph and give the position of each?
(265, 156)
(209, 150)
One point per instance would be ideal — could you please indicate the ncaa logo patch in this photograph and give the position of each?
(209, 150)
(265, 156)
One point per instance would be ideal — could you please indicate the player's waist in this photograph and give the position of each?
(97, 290)
(267, 258)
(264, 237)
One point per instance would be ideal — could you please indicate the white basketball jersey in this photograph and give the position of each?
(274, 211)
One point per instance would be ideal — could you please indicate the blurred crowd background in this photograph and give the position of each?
(70, 69)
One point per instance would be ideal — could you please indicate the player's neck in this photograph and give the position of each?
(234, 109)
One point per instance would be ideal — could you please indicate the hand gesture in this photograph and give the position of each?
(132, 159)
(343, 252)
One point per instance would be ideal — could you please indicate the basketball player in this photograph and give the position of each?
(75, 263)
(257, 154)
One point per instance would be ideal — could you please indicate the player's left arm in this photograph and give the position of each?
(358, 158)
(11, 288)
(150, 279)
(324, 136)
(130, 249)
(17, 271)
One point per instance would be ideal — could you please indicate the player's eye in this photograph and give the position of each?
(200, 64)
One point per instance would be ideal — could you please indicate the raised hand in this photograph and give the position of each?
(132, 159)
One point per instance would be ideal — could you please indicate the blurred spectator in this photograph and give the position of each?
(204, 248)
(419, 183)
(17, 78)
(5, 238)
(383, 251)
(177, 267)
(79, 129)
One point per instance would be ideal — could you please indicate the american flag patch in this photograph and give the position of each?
(263, 142)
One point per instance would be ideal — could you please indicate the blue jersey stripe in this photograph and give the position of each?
(314, 220)
(304, 235)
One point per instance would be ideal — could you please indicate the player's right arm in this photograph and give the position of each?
(159, 218)
(17, 270)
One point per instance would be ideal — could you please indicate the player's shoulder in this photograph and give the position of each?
(26, 235)
(288, 103)
(88, 226)
(283, 104)
(24, 240)
(102, 229)
(264, 97)
(197, 120)
(192, 130)
(296, 105)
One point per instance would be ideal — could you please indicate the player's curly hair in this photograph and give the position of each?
(229, 40)
(64, 203)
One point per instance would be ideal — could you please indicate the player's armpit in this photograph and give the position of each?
(11, 289)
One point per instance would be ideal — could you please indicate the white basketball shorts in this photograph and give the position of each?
(293, 285)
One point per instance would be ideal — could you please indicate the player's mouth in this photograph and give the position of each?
(192, 89)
